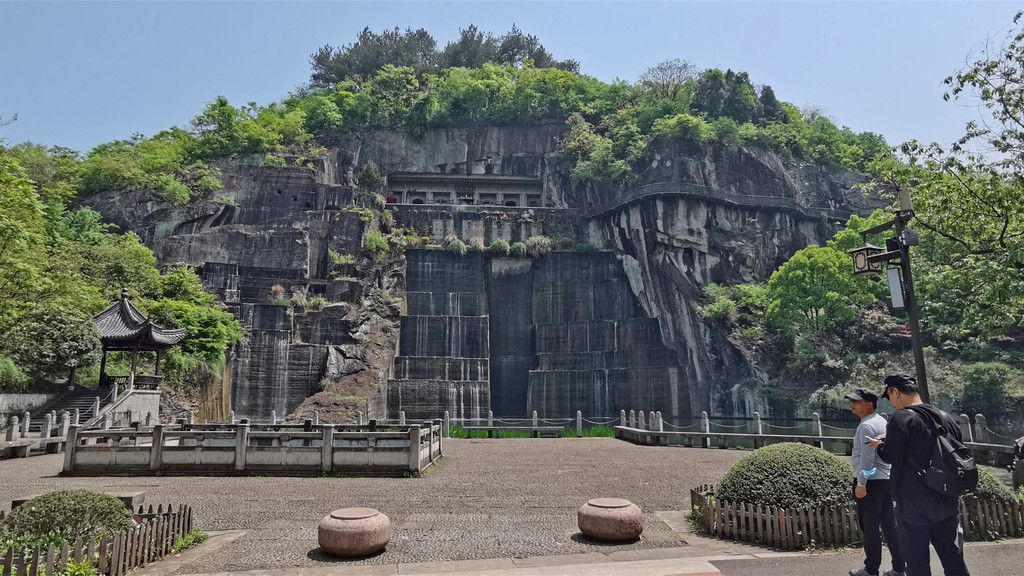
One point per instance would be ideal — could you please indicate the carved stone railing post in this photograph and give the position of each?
(579, 424)
(705, 427)
(65, 422)
(156, 451)
(241, 445)
(414, 448)
(758, 442)
(327, 450)
(622, 418)
(69, 449)
(980, 429)
(816, 429)
(965, 428)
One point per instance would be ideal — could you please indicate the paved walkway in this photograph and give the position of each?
(502, 507)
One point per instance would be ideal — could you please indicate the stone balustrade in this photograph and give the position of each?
(241, 449)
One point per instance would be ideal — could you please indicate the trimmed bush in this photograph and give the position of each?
(517, 250)
(499, 247)
(67, 515)
(788, 475)
(990, 488)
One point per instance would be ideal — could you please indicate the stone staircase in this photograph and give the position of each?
(81, 398)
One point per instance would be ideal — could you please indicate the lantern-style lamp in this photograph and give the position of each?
(862, 266)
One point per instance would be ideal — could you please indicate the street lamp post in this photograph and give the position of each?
(871, 260)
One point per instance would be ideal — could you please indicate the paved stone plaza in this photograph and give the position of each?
(500, 498)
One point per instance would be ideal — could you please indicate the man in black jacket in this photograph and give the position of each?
(923, 516)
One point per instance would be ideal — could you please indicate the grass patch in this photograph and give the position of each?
(594, 432)
(195, 537)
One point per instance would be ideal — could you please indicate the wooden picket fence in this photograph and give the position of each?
(988, 520)
(786, 528)
(800, 528)
(114, 555)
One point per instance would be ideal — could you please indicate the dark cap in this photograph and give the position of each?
(863, 394)
(901, 382)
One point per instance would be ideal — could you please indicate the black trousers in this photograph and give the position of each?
(920, 525)
(876, 516)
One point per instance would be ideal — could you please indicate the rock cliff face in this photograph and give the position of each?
(563, 332)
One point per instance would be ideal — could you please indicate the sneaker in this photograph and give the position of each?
(861, 572)
(893, 573)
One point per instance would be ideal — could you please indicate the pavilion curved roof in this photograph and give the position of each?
(123, 327)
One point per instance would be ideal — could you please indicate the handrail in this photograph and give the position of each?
(108, 408)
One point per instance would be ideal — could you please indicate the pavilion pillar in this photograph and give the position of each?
(135, 357)
(103, 365)
(158, 354)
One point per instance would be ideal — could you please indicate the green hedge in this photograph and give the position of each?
(65, 516)
(788, 475)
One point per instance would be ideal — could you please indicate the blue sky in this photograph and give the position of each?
(78, 74)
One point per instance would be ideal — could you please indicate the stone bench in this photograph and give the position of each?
(612, 519)
(535, 431)
(16, 449)
(350, 532)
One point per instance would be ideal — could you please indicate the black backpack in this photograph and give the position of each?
(951, 471)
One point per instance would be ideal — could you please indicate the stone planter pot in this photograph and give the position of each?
(612, 519)
(352, 532)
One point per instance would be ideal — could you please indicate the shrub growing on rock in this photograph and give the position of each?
(788, 475)
(457, 247)
(499, 247)
(66, 515)
(537, 246)
(517, 250)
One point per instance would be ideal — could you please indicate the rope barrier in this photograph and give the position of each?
(694, 425)
(998, 435)
(744, 425)
(555, 422)
(763, 423)
(600, 423)
(838, 428)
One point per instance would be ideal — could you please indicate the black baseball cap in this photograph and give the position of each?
(901, 382)
(863, 394)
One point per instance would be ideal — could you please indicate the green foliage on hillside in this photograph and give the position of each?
(401, 80)
(59, 267)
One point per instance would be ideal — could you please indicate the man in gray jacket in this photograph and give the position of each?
(871, 489)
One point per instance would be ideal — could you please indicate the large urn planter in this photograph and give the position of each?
(612, 519)
(351, 532)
